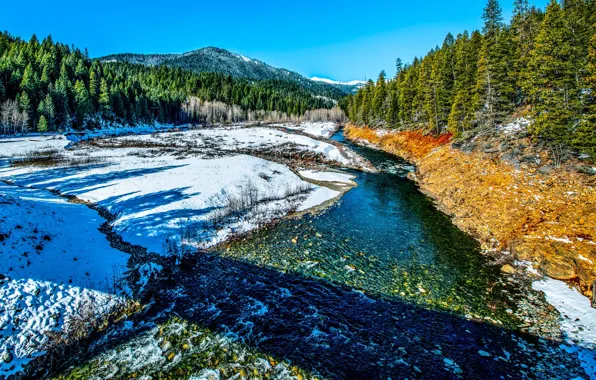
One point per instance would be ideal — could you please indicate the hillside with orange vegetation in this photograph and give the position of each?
(544, 216)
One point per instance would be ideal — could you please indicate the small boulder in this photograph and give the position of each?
(7, 357)
(508, 269)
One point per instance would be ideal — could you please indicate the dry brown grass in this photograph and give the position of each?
(54, 158)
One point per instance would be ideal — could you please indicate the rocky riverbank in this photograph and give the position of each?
(512, 197)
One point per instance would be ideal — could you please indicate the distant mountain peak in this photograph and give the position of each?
(330, 81)
(218, 60)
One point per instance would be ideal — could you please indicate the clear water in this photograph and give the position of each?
(379, 286)
(386, 238)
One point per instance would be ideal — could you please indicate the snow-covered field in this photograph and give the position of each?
(248, 139)
(157, 196)
(578, 320)
(54, 259)
(335, 177)
(324, 130)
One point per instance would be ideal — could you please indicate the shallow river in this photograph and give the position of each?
(379, 285)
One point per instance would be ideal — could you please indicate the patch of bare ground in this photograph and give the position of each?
(55, 158)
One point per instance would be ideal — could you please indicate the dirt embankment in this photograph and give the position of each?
(537, 213)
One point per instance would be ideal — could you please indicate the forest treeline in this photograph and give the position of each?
(46, 86)
(541, 65)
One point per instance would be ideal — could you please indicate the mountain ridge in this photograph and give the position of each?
(214, 59)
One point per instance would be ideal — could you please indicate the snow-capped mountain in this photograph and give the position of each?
(350, 87)
(213, 59)
(330, 81)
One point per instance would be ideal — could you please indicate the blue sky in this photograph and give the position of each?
(342, 40)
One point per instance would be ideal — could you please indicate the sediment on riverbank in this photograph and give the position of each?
(529, 210)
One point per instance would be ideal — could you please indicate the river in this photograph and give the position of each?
(379, 285)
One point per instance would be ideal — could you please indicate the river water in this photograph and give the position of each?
(379, 285)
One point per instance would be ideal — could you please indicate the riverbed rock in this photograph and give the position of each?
(7, 357)
(508, 269)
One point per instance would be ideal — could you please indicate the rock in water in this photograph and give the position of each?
(508, 269)
(7, 357)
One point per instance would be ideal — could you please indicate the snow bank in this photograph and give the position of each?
(158, 197)
(10, 147)
(578, 320)
(327, 176)
(56, 260)
(518, 125)
(317, 129)
(111, 129)
(249, 138)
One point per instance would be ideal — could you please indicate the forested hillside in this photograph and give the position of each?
(47, 86)
(216, 60)
(541, 65)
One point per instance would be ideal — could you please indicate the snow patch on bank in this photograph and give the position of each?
(55, 261)
(158, 196)
(327, 176)
(578, 320)
(248, 138)
(316, 129)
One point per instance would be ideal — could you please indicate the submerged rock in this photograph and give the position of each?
(7, 357)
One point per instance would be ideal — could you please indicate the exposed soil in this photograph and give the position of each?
(528, 209)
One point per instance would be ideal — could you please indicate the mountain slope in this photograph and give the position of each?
(212, 59)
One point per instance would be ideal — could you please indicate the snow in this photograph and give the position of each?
(111, 129)
(578, 320)
(316, 129)
(252, 139)
(54, 256)
(158, 196)
(56, 260)
(32, 308)
(317, 197)
(329, 81)
(25, 145)
(518, 125)
(327, 176)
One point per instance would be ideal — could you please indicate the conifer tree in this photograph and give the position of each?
(42, 124)
(379, 98)
(26, 107)
(552, 76)
(105, 105)
(492, 94)
(585, 136)
(83, 107)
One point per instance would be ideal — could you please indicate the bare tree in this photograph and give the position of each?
(12, 118)
(213, 112)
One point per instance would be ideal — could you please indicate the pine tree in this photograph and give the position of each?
(466, 66)
(49, 110)
(380, 96)
(105, 105)
(42, 125)
(94, 88)
(493, 97)
(552, 77)
(28, 82)
(399, 66)
(26, 107)
(392, 113)
(585, 137)
(84, 107)
(577, 18)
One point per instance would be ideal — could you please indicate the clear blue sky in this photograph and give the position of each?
(341, 40)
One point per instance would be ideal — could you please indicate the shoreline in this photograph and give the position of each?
(450, 177)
